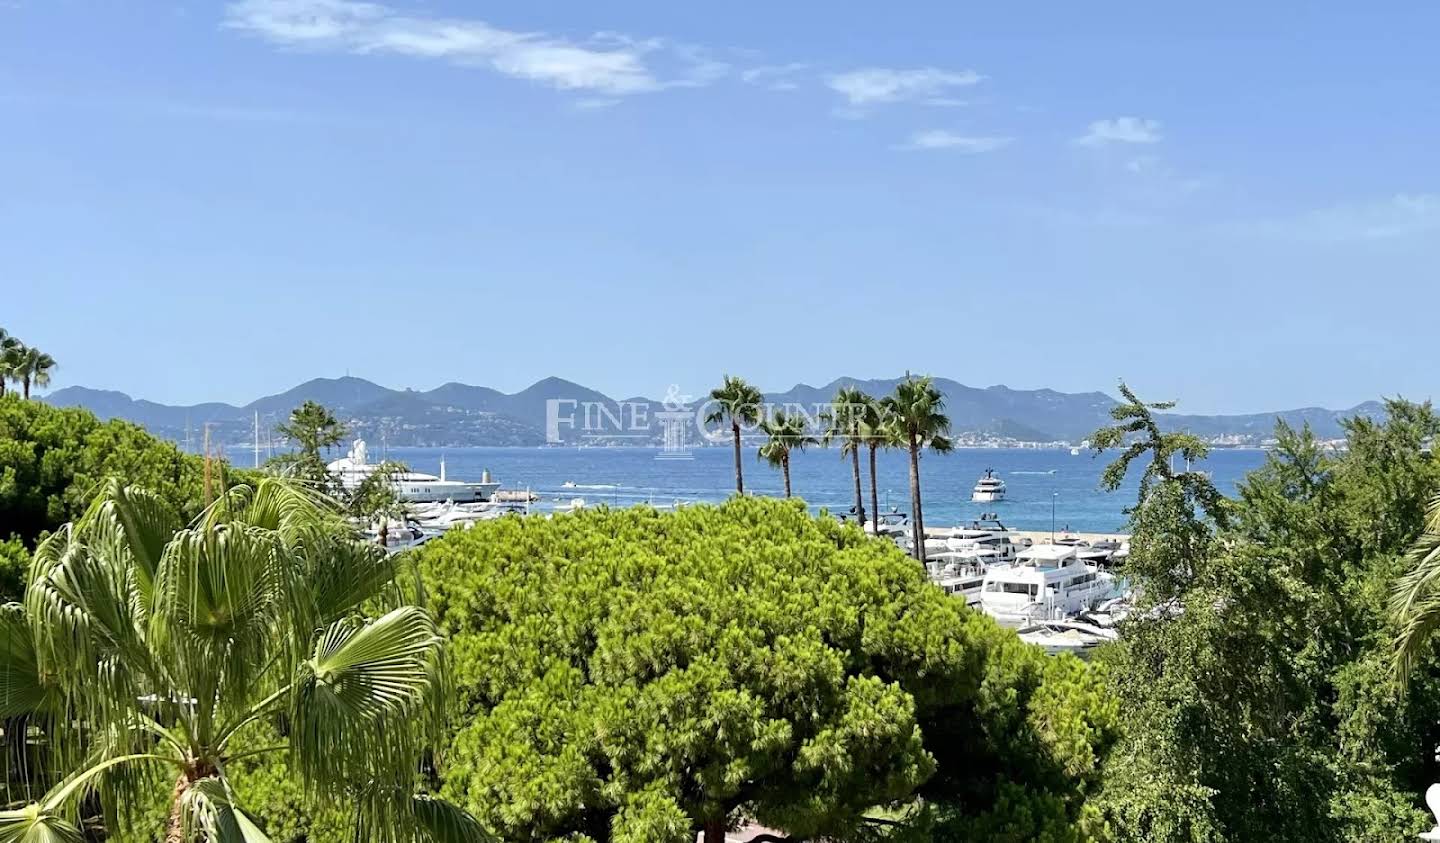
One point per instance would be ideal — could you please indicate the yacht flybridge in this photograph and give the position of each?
(412, 486)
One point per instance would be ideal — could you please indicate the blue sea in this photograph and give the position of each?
(626, 476)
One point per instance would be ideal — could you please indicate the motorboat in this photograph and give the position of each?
(988, 489)
(1074, 637)
(411, 486)
(399, 535)
(1047, 582)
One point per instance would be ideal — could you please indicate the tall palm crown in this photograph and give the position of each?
(11, 351)
(786, 434)
(33, 367)
(147, 646)
(737, 403)
(917, 419)
(845, 421)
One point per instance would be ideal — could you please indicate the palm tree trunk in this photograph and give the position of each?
(918, 518)
(26, 382)
(855, 469)
(739, 477)
(874, 492)
(175, 829)
(785, 469)
(2, 386)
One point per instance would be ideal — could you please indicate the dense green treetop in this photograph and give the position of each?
(312, 428)
(1255, 681)
(638, 676)
(53, 460)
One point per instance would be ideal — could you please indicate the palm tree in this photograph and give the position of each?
(1415, 603)
(878, 433)
(845, 421)
(33, 366)
(148, 647)
(917, 417)
(11, 349)
(738, 403)
(787, 435)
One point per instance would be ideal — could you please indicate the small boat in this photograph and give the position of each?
(1072, 637)
(988, 489)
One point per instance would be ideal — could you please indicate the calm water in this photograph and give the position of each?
(625, 476)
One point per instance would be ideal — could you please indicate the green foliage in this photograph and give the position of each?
(144, 647)
(845, 420)
(737, 403)
(787, 433)
(22, 364)
(915, 419)
(14, 563)
(313, 428)
(1254, 679)
(630, 675)
(52, 461)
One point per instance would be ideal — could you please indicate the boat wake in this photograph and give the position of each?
(1051, 471)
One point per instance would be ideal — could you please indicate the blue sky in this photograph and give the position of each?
(1232, 204)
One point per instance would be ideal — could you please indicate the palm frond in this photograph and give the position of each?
(22, 691)
(221, 608)
(395, 815)
(129, 527)
(367, 699)
(1415, 601)
(208, 807)
(33, 824)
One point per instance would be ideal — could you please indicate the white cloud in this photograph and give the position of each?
(776, 77)
(880, 85)
(1401, 215)
(607, 64)
(945, 139)
(1121, 130)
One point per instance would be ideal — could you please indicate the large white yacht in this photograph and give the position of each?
(988, 489)
(412, 486)
(1047, 582)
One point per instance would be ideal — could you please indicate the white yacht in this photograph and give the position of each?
(1046, 583)
(989, 488)
(997, 545)
(1072, 637)
(958, 577)
(412, 486)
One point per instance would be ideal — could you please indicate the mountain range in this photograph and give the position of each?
(457, 414)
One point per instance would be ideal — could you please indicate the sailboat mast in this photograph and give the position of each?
(257, 438)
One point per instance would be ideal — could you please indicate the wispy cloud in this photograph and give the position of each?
(874, 86)
(776, 77)
(1401, 215)
(606, 65)
(1121, 130)
(954, 141)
